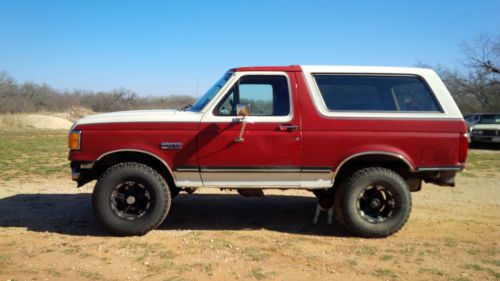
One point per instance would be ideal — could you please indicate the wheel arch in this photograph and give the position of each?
(395, 161)
(112, 157)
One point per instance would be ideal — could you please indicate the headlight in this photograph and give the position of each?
(477, 132)
(74, 140)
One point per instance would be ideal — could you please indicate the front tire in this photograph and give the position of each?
(374, 202)
(131, 199)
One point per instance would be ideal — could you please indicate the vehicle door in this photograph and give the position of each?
(258, 150)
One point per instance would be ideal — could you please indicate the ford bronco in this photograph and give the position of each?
(366, 136)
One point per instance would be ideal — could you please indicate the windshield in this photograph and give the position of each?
(209, 95)
(490, 119)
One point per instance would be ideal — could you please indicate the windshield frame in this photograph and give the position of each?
(211, 93)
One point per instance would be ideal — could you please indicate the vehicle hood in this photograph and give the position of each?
(141, 116)
(486, 127)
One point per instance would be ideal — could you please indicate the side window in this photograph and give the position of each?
(268, 95)
(375, 93)
(413, 96)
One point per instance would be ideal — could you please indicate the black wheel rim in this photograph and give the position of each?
(130, 200)
(376, 203)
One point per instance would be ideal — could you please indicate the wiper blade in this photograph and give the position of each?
(186, 107)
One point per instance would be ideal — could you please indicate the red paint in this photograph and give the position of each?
(265, 144)
(96, 142)
(328, 141)
(319, 142)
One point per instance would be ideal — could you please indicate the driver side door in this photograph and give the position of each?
(269, 153)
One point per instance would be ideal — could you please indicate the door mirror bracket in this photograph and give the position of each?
(242, 110)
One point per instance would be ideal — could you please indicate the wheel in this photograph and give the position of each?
(373, 202)
(131, 199)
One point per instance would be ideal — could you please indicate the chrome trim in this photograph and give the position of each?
(250, 170)
(140, 151)
(87, 165)
(375, 152)
(438, 169)
(187, 169)
(188, 178)
(253, 178)
(271, 169)
(274, 177)
(288, 127)
(281, 184)
(316, 170)
(171, 145)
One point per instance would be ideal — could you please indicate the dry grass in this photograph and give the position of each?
(29, 154)
(13, 122)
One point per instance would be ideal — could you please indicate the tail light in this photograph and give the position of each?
(463, 146)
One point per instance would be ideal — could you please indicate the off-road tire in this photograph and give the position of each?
(347, 202)
(158, 191)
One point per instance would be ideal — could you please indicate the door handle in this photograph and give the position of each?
(285, 128)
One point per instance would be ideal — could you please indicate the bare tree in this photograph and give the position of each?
(476, 86)
(483, 54)
(482, 80)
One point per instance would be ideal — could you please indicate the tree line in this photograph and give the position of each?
(475, 87)
(32, 97)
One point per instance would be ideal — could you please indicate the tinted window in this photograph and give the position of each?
(489, 119)
(266, 94)
(375, 93)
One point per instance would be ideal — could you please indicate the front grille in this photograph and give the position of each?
(490, 132)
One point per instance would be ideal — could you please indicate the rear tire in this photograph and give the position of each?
(131, 199)
(374, 202)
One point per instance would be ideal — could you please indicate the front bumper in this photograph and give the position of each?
(491, 139)
(82, 172)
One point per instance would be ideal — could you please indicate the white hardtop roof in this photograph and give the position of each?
(364, 69)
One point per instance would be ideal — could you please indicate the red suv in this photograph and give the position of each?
(367, 136)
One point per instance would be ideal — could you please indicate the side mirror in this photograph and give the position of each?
(243, 110)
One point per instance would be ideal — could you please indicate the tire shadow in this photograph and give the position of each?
(60, 213)
(282, 213)
(71, 214)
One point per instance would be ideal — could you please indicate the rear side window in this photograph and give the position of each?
(375, 93)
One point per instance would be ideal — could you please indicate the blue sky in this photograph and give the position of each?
(182, 47)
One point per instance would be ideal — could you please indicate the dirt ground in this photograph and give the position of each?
(47, 232)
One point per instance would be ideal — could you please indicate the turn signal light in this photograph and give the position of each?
(74, 139)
